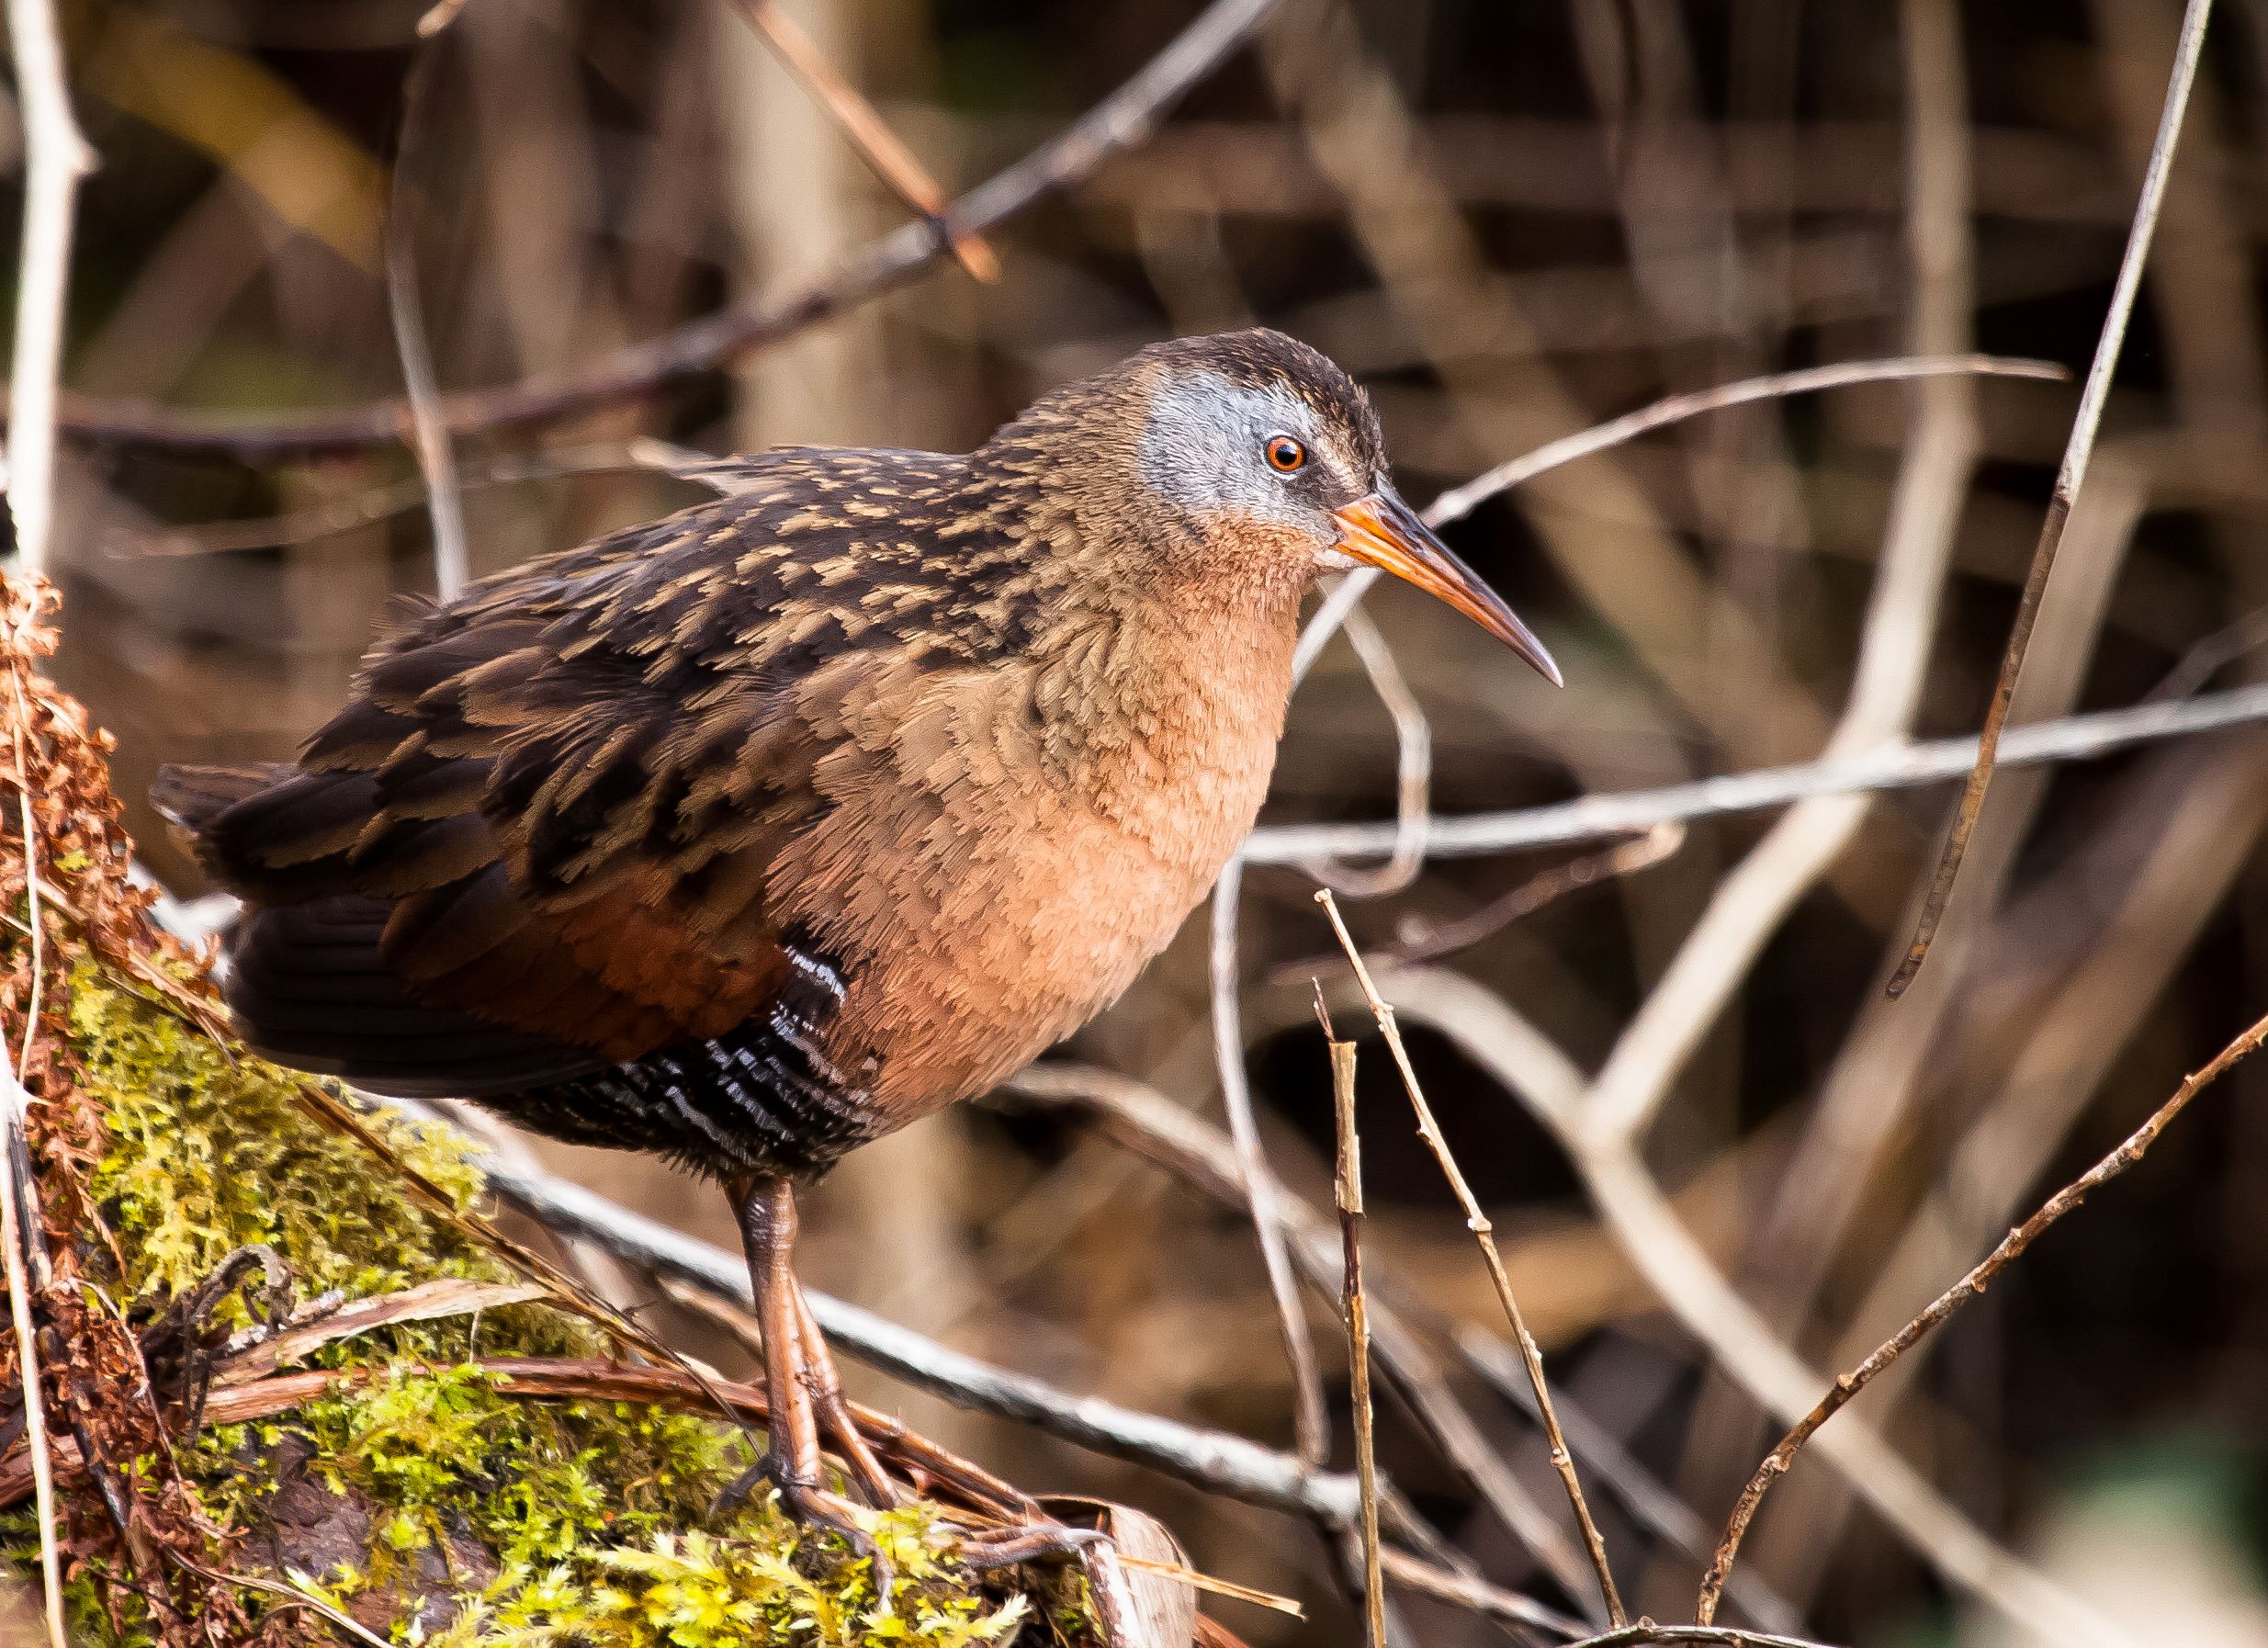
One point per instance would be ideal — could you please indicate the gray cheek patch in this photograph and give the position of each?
(1201, 449)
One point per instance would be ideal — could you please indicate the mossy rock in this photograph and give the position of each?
(414, 1496)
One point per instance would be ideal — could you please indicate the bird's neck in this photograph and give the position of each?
(1157, 660)
(1164, 714)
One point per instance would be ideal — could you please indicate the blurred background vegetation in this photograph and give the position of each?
(1510, 221)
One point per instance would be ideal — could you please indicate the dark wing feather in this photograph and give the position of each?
(537, 840)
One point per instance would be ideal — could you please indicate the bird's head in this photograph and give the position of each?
(1251, 445)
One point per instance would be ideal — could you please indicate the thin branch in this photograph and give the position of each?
(1895, 765)
(1413, 742)
(2207, 658)
(884, 151)
(1457, 505)
(1483, 1233)
(425, 1302)
(436, 451)
(1970, 1286)
(1431, 941)
(1683, 1276)
(1474, 1595)
(16, 1221)
(1649, 1500)
(1311, 1421)
(1143, 1121)
(1460, 501)
(643, 454)
(1749, 905)
(1126, 116)
(1348, 1195)
(56, 156)
(28, 1266)
(2094, 396)
(1710, 1636)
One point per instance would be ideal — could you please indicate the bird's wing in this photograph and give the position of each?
(538, 839)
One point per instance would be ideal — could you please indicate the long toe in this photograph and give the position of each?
(740, 1490)
(808, 1503)
(817, 1508)
(1028, 1542)
(861, 1466)
(813, 1507)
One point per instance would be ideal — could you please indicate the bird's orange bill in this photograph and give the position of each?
(1385, 532)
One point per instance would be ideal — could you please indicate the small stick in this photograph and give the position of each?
(1483, 1233)
(879, 146)
(1311, 1424)
(1849, 1385)
(1197, 1580)
(14, 1221)
(56, 156)
(2092, 397)
(430, 440)
(1349, 1198)
(1431, 943)
(1127, 117)
(27, 1264)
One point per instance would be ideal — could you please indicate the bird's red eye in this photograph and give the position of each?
(1285, 455)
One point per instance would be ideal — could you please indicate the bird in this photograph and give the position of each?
(751, 834)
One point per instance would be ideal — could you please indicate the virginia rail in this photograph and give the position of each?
(751, 834)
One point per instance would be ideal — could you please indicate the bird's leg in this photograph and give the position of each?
(834, 1410)
(792, 1461)
(800, 1380)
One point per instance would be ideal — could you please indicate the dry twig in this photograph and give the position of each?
(1431, 941)
(1968, 1287)
(429, 438)
(1312, 1424)
(18, 1217)
(1348, 1195)
(1895, 765)
(2072, 476)
(881, 148)
(1413, 739)
(1483, 1233)
(1689, 1284)
(1126, 116)
(56, 158)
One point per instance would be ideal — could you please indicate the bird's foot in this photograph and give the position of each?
(813, 1506)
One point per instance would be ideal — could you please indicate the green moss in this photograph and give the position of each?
(594, 1517)
(209, 1151)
